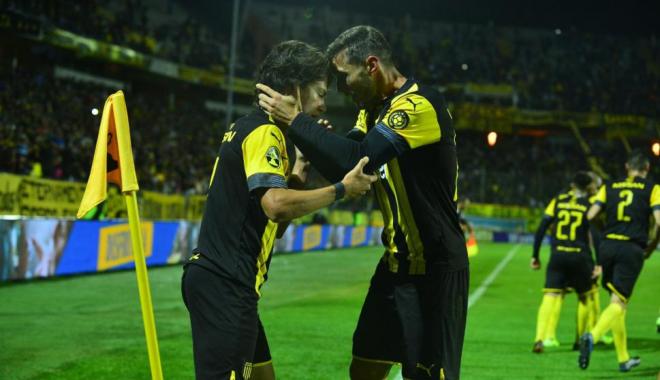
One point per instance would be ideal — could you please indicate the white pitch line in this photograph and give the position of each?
(474, 297)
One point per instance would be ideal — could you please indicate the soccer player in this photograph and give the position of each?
(416, 307)
(628, 204)
(248, 196)
(570, 263)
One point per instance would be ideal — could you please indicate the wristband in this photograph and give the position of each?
(340, 190)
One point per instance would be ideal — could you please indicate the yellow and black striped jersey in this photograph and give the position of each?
(416, 191)
(235, 234)
(411, 143)
(568, 212)
(628, 205)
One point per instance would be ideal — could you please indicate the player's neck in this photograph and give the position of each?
(636, 173)
(392, 80)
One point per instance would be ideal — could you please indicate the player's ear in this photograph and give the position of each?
(373, 64)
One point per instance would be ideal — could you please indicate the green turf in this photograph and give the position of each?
(90, 327)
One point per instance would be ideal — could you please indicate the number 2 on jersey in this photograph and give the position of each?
(626, 199)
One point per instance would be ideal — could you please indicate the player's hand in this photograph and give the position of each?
(283, 108)
(356, 182)
(535, 264)
(325, 123)
(598, 270)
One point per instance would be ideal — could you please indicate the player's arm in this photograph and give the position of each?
(655, 206)
(598, 203)
(546, 221)
(265, 170)
(296, 181)
(416, 125)
(280, 204)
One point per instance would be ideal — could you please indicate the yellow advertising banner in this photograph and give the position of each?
(115, 245)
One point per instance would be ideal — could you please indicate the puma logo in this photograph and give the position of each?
(413, 104)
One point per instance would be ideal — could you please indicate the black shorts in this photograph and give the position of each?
(622, 262)
(569, 270)
(418, 321)
(228, 336)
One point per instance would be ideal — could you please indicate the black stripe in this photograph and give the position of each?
(266, 180)
(399, 238)
(400, 144)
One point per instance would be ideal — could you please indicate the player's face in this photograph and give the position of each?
(313, 98)
(354, 80)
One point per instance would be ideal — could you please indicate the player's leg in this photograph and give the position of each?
(630, 262)
(550, 339)
(262, 362)
(446, 298)
(378, 339)
(581, 281)
(621, 269)
(369, 369)
(555, 282)
(223, 318)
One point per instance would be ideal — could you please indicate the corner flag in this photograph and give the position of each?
(113, 162)
(113, 158)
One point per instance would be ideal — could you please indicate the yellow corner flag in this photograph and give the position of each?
(113, 158)
(113, 162)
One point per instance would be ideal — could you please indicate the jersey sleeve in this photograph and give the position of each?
(265, 158)
(550, 209)
(601, 197)
(655, 198)
(411, 121)
(361, 122)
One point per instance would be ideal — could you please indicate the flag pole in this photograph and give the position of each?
(143, 285)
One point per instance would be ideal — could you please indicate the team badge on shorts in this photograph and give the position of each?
(273, 157)
(398, 119)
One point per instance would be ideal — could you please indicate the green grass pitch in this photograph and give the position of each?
(90, 327)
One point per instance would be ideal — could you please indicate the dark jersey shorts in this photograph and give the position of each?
(622, 263)
(418, 321)
(227, 333)
(569, 270)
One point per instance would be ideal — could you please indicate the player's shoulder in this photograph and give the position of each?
(415, 97)
(252, 124)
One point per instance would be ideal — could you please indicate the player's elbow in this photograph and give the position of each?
(274, 205)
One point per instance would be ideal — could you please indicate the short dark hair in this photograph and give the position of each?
(290, 64)
(360, 42)
(582, 180)
(637, 160)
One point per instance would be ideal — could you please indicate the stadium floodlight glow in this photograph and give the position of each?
(464, 66)
(492, 138)
(95, 111)
(656, 148)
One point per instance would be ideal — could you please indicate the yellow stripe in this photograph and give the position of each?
(407, 220)
(374, 360)
(552, 290)
(562, 248)
(388, 228)
(232, 376)
(613, 289)
(617, 237)
(267, 240)
(215, 166)
(254, 365)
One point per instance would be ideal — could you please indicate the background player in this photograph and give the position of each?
(628, 205)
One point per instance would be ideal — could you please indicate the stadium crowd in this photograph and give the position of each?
(47, 129)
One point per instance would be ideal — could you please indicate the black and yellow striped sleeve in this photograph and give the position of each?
(410, 122)
(655, 198)
(360, 129)
(550, 209)
(601, 197)
(265, 158)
